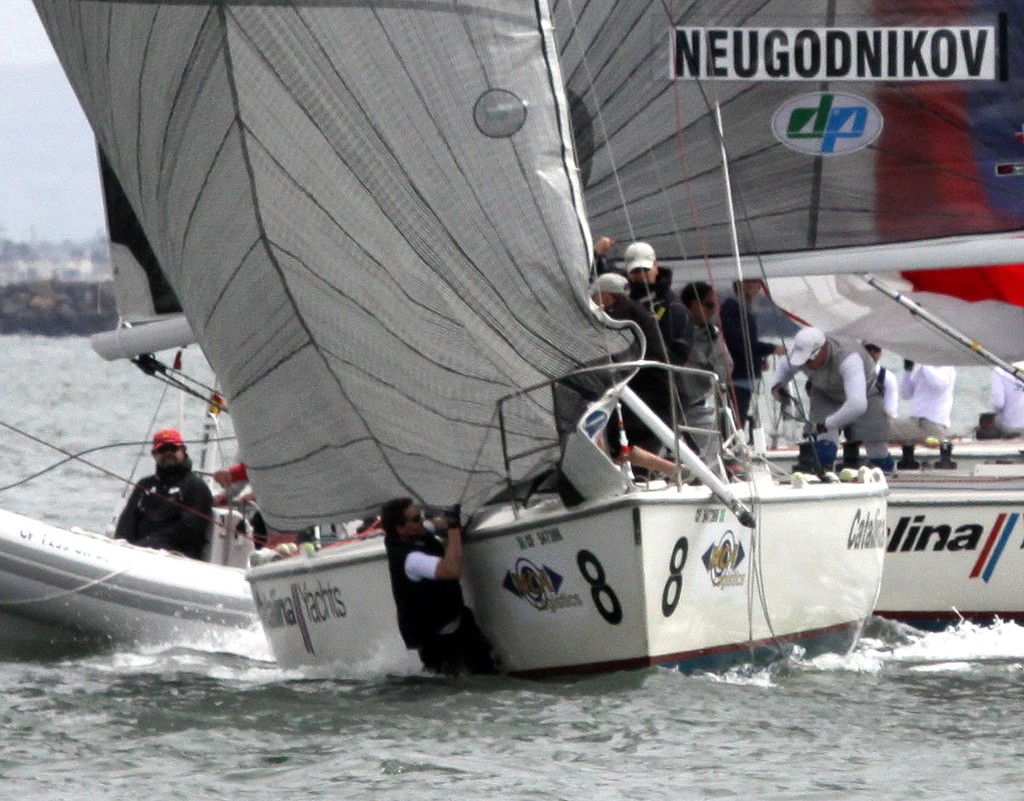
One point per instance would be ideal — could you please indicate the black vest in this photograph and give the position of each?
(426, 606)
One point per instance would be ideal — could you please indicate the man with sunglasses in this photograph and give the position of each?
(432, 616)
(172, 509)
(651, 285)
(843, 393)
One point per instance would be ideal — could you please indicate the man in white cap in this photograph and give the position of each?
(610, 292)
(842, 390)
(651, 285)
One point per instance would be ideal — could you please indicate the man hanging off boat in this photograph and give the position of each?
(843, 395)
(425, 573)
(171, 509)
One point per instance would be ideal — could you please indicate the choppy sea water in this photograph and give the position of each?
(905, 716)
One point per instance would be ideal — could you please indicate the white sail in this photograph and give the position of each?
(371, 215)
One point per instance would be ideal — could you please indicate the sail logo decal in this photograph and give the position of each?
(1009, 169)
(300, 620)
(540, 586)
(827, 123)
(595, 422)
(301, 607)
(994, 545)
(916, 534)
(866, 532)
(949, 53)
(722, 559)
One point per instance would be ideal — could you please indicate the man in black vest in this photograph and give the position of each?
(432, 616)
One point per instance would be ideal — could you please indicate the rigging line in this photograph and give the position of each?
(71, 458)
(126, 488)
(178, 379)
(600, 117)
(65, 593)
(491, 429)
(741, 297)
(105, 471)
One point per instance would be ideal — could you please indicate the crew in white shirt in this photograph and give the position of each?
(930, 392)
(1008, 400)
(886, 381)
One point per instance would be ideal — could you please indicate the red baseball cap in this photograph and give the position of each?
(169, 436)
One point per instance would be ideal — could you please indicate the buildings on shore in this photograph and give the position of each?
(56, 289)
(66, 261)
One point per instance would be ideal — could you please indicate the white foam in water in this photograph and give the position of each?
(860, 660)
(964, 643)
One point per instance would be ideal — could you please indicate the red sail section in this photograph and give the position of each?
(1005, 283)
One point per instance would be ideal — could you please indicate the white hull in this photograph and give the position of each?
(954, 552)
(955, 542)
(595, 588)
(76, 584)
(332, 608)
(669, 577)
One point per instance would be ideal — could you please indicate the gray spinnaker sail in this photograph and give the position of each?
(371, 215)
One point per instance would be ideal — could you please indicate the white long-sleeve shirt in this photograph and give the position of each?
(890, 392)
(854, 387)
(930, 392)
(1008, 398)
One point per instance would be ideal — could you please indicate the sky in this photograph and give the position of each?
(49, 182)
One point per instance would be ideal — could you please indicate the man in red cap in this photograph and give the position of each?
(171, 509)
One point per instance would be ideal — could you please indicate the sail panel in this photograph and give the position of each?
(826, 154)
(371, 216)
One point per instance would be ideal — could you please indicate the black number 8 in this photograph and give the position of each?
(599, 591)
(674, 586)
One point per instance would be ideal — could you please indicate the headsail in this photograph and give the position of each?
(865, 136)
(150, 314)
(371, 215)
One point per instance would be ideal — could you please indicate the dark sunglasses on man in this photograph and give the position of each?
(164, 449)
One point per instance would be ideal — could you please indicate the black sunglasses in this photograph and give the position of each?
(165, 449)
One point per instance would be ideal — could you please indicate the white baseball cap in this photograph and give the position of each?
(614, 283)
(639, 256)
(806, 344)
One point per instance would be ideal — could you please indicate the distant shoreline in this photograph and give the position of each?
(57, 308)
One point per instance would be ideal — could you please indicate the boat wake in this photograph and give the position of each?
(963, 647)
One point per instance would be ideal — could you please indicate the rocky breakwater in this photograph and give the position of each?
(56, 308)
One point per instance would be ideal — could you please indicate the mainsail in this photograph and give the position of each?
(867, 136)
(371, 215)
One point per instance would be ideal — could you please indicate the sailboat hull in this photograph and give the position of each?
(659, 577)
(954, 553)
(955, 540)
(76, 585)
(669, 578)
(332, 609)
